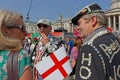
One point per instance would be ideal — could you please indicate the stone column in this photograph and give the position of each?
(119, 23)
(114, 22)
(109, 21)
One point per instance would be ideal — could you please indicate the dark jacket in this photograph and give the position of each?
(99, 57)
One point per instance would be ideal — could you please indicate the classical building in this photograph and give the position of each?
(114, 15)
(64, 23)
(31, 27)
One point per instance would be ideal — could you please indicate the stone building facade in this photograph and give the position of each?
(114, 15)
(64, 23)
(31, 27)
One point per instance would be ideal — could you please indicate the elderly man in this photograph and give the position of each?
(46, 43)
(99, 57)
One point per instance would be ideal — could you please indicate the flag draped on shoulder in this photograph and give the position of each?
(56, 66)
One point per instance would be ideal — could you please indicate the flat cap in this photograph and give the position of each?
(92, 8)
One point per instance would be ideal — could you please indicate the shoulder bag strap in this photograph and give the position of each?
(12, 66)
(9, 67)
(15, 66)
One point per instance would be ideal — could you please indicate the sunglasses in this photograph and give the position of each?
(20, 27)
(44, 26)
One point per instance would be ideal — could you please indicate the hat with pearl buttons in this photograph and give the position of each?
(92, 8)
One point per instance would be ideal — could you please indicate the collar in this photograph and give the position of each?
(98, 32)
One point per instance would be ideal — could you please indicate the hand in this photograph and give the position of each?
(44, 39)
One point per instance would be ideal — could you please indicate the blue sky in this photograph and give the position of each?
(50, 9)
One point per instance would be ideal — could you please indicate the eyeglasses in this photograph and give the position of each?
(20, 27)
(44, 26)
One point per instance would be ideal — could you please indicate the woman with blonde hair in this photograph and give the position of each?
(13, 63)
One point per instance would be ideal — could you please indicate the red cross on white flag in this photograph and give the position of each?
(56, 66)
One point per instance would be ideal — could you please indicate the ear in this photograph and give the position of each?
(94, 20)
(4, 30)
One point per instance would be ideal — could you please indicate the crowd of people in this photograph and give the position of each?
(94, 55)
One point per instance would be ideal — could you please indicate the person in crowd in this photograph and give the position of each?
(66, 40)
(73, 56)
(61, 43)
(13, 64)
(99, 57)
(46, 43)
(70, 46)
(27, 44)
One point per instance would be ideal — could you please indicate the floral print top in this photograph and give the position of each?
(23, 61)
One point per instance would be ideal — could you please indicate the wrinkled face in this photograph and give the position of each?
(84, 27)
(44, 28)
(16, 31)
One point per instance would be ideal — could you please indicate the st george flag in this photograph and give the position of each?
(56, 66)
